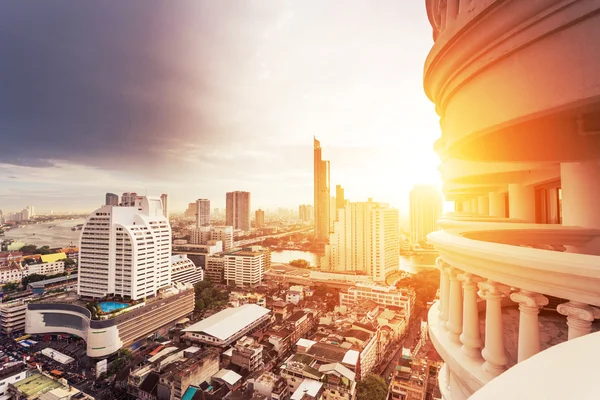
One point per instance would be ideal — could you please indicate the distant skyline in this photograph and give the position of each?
(199, 98)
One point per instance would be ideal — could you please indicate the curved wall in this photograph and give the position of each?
(101, 337)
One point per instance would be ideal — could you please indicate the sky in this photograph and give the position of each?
(198, 98)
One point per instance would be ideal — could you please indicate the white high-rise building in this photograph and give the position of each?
(365, 239)
(425, 209)
(246, 267)
(202, 213)
(125, 250)
(164, 198)
(237, 210)
(31, 211)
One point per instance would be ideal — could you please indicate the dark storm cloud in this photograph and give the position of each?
(107, 84)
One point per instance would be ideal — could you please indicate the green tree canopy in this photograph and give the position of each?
(69, 262)
(29, 249)
(373, 387)
(10, 287)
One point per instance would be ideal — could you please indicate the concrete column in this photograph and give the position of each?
(471, 336)
(455, 310)
(451, 11)
(474, 205)
(467, 206)
(458, 206)
(529, 329)
(579, 317)
(444, 293)
(496, 204)
(483, 205)
(580, 184)
(493, 353)
(521, 202)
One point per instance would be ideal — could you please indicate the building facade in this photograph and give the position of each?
(259, 218)
(321, 188)
(184, 270)
(49, 268)
(125, 250)
(111, 199)
(382, 295)
(202, 213)
(516, 87)
(246, 267)
(237, 210)
(224, 234)
(425, 209)
(12, 316)
(365, 240)
(164, 198)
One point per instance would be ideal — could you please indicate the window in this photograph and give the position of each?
(548, 203)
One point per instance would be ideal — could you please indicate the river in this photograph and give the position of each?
(61, 235)
(53, 234)
(411, 264)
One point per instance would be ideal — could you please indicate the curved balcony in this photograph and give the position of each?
(497, 280)
(545, 375)
(512, 77)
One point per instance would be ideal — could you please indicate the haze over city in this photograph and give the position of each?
(198, 98)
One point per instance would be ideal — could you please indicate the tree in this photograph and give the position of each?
(10, 287)
(300, 263)
(29, 249)
(44, 250)
(69, 262)
(373, 387)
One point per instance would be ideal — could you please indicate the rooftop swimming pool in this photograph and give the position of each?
(110, 306)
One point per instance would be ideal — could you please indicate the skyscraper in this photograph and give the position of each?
(202, 212)
(339, 196)
(125, 250)
(425, 209)
(111, 199)
(237, 212)
(365, 239)
(259, 218)
(165, 204)
(322, 198)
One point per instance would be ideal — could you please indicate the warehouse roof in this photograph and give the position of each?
(228, 322)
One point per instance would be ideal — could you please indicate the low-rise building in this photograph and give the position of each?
(68, 282)
(270, 385)
(10, 272)
(416, 378)
(338, 381)
(177, 376)
(247, 354)
(382, 295)
(11, 373)
(227, 326)
(12, 316)
(237, 299)
(45, 268)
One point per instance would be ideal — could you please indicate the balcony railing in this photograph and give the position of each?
(496, 263)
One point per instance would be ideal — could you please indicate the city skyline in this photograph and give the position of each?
(205, 116)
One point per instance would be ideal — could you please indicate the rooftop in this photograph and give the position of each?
(228, 376)
(309, 387)
(228, 322)
(41, 284)
(36, 383)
